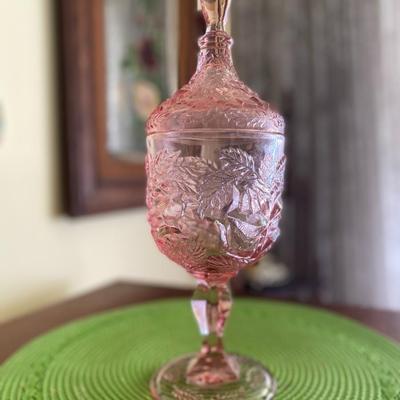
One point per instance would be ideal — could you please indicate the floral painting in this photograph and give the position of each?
(141, 62)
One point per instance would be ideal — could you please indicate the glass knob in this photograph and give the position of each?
(215, 13)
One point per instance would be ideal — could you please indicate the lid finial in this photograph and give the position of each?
(215, 13)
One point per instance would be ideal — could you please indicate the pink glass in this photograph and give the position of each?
(215, 168)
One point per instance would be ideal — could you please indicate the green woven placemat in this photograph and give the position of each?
(314, 355)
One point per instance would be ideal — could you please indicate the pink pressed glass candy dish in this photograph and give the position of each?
(215, 168)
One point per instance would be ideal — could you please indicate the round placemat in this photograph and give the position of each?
(314, 355)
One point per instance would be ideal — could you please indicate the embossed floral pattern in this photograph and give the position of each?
(215, 98)
(214, 218)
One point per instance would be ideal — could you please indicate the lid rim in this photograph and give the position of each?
(220, 130)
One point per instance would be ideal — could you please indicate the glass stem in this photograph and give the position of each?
(211, 306)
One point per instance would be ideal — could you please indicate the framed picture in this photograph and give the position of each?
(118, 60)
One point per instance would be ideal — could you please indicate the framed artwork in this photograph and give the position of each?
(118, 60)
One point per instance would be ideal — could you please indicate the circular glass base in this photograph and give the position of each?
(254, 383)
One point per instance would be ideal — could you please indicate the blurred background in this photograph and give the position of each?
(331, 66)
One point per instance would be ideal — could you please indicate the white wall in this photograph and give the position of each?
(45, 256)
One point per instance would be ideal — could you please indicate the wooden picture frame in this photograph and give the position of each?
(94, 180)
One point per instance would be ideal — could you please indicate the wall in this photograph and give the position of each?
(45, 256)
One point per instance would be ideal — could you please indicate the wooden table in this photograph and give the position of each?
(15, 333)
